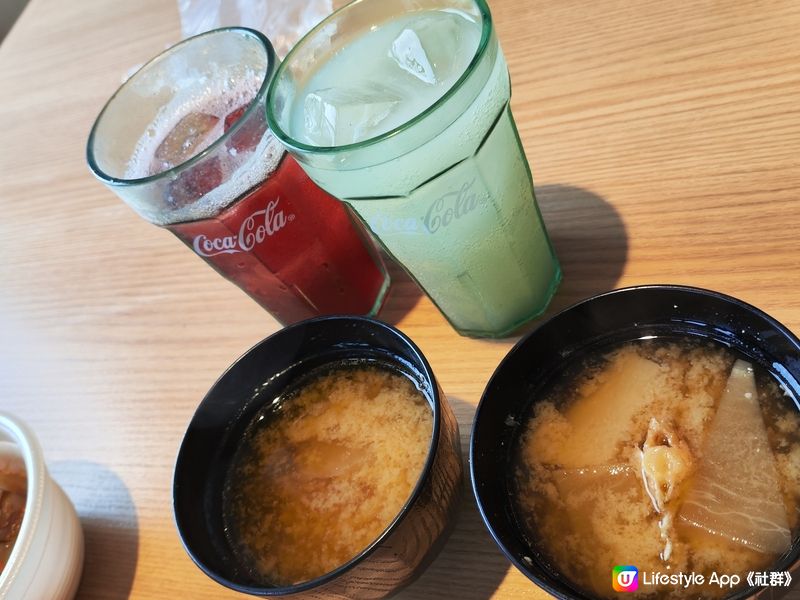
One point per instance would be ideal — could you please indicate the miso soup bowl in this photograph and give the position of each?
(47, 558)
(407, 544)
(611, 318)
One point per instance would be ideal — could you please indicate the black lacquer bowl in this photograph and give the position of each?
(610, 318)
(405, 547)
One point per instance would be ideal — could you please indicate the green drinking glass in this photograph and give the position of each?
(400, 108)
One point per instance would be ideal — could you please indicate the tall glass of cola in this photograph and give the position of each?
(185, 143)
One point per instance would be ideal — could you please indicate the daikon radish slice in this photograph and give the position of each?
(601, 417)
(736, 493)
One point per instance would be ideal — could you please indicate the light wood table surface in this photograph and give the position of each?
(664, 139)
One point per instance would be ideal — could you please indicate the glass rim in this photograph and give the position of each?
(179, 168)
(288, 140)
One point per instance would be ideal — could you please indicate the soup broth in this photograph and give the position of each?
(324, 471)
(674, 456)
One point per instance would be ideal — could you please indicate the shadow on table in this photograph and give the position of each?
(589, 238)
(403, 295)
(110, 528)
(590, 241)
(470, 566)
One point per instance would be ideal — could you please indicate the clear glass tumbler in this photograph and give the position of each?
(185, 143)
(400, 108)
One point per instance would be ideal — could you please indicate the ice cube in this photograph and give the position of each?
(234, 116)
(434, 46)
(409, 54)
(195, 182)
(345, 115)
(186, 139)
(248, 135)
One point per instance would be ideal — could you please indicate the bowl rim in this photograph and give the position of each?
(392, 526)
(517, 348)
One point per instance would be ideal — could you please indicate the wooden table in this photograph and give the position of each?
(664, 139)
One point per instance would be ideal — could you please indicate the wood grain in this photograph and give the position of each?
(663, 139)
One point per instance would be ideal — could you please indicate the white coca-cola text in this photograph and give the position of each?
(254, 230)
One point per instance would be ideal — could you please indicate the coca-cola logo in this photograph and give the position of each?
(253, 230)
(386, 224)
(451, 206)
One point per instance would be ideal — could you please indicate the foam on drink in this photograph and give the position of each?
(186, 126)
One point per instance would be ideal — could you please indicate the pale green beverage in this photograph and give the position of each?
(401, 109)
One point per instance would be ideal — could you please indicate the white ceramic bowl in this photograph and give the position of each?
(47, 558)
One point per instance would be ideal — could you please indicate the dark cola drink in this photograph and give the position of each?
(185, 143)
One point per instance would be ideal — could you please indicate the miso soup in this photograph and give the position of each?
(673, 456)
(325, 470)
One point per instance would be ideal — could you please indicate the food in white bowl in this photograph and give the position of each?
(45, 560)
(13, 491)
